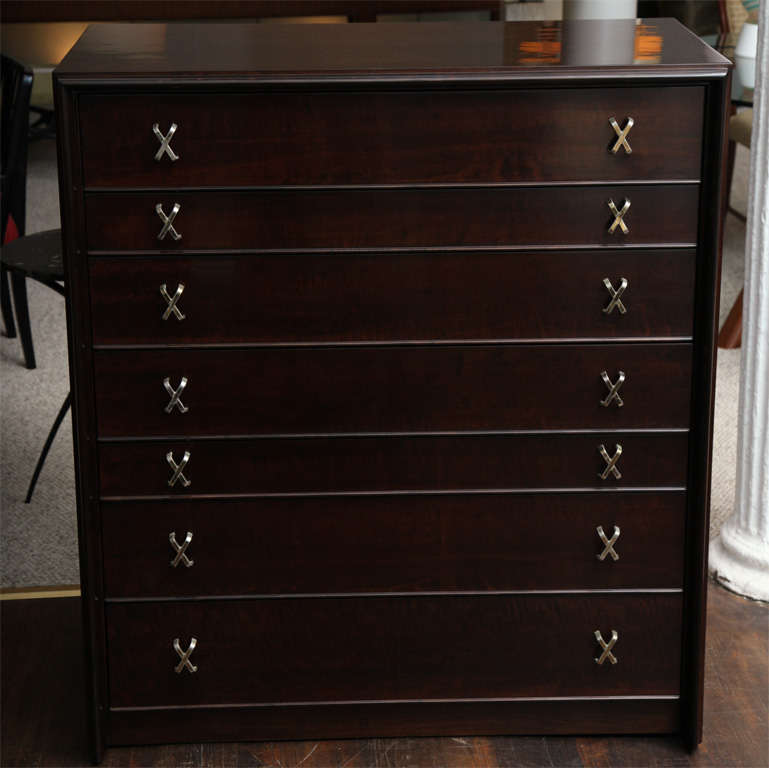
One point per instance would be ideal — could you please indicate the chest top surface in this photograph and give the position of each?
(431, 51)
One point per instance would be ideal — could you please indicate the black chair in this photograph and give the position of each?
(37, 256)
(17, 87)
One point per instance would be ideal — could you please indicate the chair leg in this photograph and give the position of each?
(5, 304)
(47, 447)
(730, 158)
(730, 336)
(19, 288)
(731, 149)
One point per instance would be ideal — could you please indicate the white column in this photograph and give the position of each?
(599, 9)
(739, 557)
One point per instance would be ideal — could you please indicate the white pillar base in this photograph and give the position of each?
(739, 557)
(740, 562)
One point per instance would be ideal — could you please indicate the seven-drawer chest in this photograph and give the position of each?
(392, 354)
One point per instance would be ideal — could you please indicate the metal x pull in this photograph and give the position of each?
(613, 389)
(619, 220)
(165, 142)
(178, 469)
(608, 544)
(606, 647)
(172, 302)
(168, 227)
(615, 296)
(621, 135)
(618, 217)
(181, 549)
(185, 656)
(175, 395)
(611, 462)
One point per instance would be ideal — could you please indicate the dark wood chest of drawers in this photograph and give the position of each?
(392, 358)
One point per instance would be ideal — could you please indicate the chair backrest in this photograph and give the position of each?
(736, 14)
(17, 86)
(703, 17)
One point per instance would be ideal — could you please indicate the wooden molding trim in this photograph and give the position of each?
(33, 593)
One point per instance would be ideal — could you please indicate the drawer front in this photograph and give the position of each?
(423, 296)
(374, 218)
(392, 648)
(321, 545)
(391, 389)
(387, 464)
(252, 139)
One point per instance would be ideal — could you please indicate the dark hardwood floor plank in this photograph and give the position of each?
(42, 694)
(535, 751)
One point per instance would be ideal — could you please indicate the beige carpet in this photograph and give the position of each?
(38, 542)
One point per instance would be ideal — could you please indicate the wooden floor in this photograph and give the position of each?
(43, 721)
